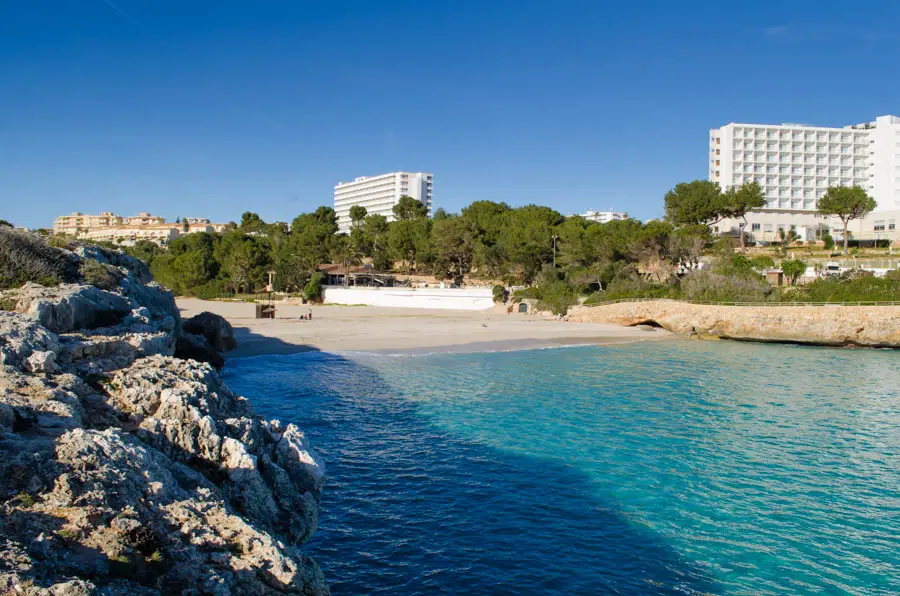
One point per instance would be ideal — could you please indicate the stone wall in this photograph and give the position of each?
(872, 326)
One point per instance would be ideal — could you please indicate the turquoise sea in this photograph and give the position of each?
(658, 468)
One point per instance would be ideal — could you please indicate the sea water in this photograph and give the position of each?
(673, 467)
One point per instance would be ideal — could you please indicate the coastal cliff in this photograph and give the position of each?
(869, 326)
(125, 470)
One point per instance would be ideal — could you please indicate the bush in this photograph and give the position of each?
(500, 294)
(793, 270)
(526, 293)
(101, 275)
(762, 262)
(557, 297)
(734, 264)
(707, 286)
(860, 289)
(27, 257)
(211, 290)
(829, 241)
(312, 291)
(624, 289)
(892, 275)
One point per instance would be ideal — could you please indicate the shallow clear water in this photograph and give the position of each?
(674, 467)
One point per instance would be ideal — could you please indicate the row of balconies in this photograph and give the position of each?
(783, 135)
(808, 169)
(798, 159)
(806, 183)
(821, 150)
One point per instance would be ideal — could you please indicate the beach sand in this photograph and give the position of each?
(380, 329)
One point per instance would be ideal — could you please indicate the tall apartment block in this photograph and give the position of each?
(795, 164)
(379, 194)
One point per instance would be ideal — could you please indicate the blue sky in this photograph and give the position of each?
(210, 108)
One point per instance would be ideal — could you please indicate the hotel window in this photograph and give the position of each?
(891, 224)
(754, 227)
(769, 228)
(879, 226)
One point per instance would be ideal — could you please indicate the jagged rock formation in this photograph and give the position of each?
(217, 331)
(869, 326)
(124, 470)
(203, 337)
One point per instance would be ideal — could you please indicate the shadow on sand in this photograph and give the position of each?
(411, 508)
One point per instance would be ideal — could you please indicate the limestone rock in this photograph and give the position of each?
(26, 345)
(68, 307)
(195, 347)
(217, 331)
(126, 471)
(870, 326)
(265, 470)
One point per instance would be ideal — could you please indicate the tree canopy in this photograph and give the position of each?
(846, 203)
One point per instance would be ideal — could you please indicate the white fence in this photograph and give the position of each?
(439, 298)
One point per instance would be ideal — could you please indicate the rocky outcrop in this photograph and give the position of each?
(204, 337)
(870, 326)
(124, 470)
(217, 331)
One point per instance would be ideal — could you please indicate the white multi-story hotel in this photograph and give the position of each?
(604, 216)
(379, 194)
(795, 164)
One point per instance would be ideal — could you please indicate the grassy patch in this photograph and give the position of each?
(26, 500)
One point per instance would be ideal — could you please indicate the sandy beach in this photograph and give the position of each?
(369, 328)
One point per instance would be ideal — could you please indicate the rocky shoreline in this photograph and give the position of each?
(863, 326)
(127, 470)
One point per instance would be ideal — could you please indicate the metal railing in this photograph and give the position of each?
(699, 302)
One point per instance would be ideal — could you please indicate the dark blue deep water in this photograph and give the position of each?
(675, 467)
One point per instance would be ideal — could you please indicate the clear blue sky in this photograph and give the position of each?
(210, 108)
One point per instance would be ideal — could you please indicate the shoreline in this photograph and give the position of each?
(276, 348)
(383, 330)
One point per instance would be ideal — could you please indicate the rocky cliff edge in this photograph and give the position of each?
(125, 470)
(867, 326)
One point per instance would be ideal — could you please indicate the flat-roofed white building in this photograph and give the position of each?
(795, 164)
(379, 194)
(604, 216)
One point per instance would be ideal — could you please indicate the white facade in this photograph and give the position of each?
(604, 216)
(379, 194)
(796, 164)
(437, 298)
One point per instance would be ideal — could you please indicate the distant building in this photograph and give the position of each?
(127, 230)
(795, 164)
(379, 194)
(604, 216)
(73, 224)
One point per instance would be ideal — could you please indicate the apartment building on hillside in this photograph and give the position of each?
(111, 227)
(379, 194)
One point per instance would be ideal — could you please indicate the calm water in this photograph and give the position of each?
(680, 467)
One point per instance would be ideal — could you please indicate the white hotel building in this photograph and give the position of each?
(795, 165)
(379, 194)
(604, 216)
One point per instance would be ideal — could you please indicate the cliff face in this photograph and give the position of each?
(124, 470)
(871, 326)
